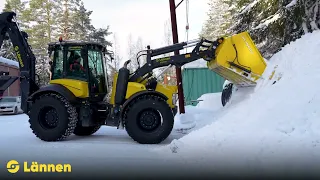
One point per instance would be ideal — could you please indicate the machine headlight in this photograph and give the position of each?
(174, 98)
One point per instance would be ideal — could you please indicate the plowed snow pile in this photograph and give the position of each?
(196, 117)
(277, 127)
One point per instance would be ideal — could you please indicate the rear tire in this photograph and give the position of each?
(86, 131)
(143, 116)
(52, 118)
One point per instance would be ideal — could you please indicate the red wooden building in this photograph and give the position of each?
(7, 65)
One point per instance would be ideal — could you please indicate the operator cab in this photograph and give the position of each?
(82, 61)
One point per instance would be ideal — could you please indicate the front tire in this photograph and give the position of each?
(148, 119)
(52, 118)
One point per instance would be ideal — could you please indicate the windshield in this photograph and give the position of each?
(7, 99)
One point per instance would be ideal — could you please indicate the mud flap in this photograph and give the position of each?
(5, 83)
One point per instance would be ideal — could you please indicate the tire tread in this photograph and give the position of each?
(72, 117)
(146, 98)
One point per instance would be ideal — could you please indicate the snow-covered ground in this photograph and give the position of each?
(109, 151)
(196, 117)
(275, 128)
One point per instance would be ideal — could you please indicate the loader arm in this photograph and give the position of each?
(203, 49)
(24, 55)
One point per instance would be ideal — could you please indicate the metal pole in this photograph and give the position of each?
(178, 69)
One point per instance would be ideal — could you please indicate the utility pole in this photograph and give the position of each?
(178, 69)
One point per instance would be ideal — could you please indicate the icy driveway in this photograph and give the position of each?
(109, 150)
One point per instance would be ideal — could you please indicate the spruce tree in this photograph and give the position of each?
(215, 25)
(81, 23)
(19, 8)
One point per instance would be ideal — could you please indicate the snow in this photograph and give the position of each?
(226, 82)
(110, 151)
(201, 63)
(292, 3)
(275, 128)
(196, 116)
(9, 62)
(268, 21)
(249, 6)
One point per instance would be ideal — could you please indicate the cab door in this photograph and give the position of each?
(97, 77)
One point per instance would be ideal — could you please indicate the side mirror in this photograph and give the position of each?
(111, 59)
(126, 63)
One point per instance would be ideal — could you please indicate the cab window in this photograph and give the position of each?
(96, 71)
(57, 67)
(75, 65)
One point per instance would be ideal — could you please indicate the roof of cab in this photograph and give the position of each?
(76, 42)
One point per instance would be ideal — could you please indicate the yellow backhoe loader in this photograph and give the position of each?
(74, 101)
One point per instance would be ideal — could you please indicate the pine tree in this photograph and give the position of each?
(45, 21)
(44, 29)
(82, 23)
(7, 51)
(19, 8)
(99, 35)
(311, 14)
(275, 23)
(228, 15)
(67, 15)
(217, 22)
(45, 24)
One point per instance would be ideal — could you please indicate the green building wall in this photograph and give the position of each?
(198, 81)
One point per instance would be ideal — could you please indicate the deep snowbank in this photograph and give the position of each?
(277, 127)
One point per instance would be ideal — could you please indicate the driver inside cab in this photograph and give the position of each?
(75, 65)
(77, 69)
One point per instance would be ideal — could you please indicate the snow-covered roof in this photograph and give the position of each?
(9, 62)
(201, 63)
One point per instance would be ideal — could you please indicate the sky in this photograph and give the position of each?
(143, 18)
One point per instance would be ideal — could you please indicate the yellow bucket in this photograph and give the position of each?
(238, 60)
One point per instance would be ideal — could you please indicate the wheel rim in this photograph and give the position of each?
(149, 120)
(48, 118)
